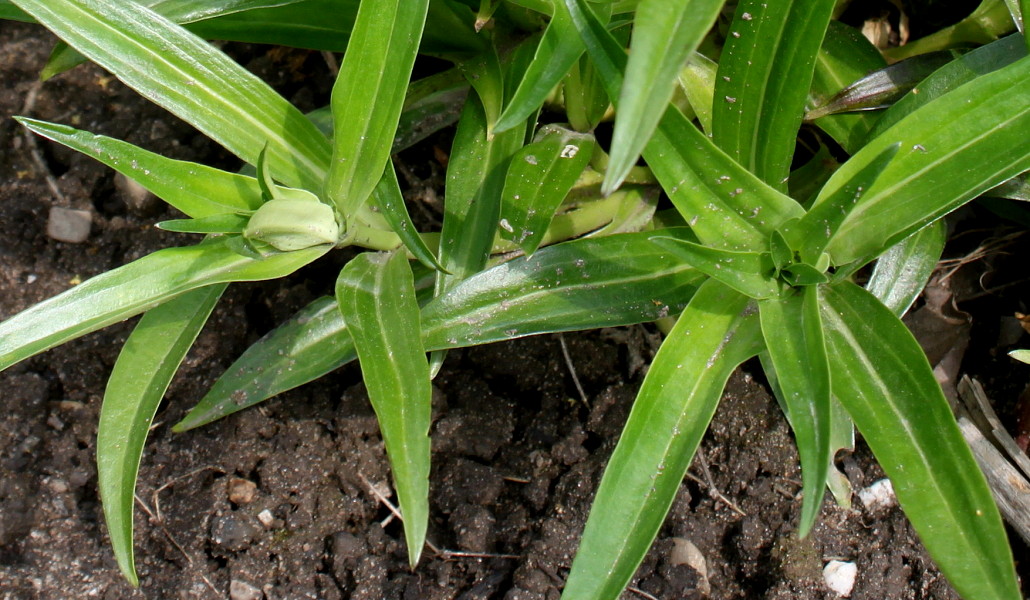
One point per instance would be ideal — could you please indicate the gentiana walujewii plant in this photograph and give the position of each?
(545, 229)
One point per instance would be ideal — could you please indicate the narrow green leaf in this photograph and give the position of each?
(583, 284)
(298, 24)
(1017, 188)
(486, 76)
(475, 181)
(698, 82)
(539, 177)
(793, 333)
(148, 360)
(883, 87)
(842, 437)
(369, 95)
(958, 72)
(187, 11)
(376, 295)
(432, 103)
(9, 11)
(213, 224)
(676, 402)
(727, 206)
(62, 58)
(309, 345)
(881, 376)
(558, 50)
(901, 273)
(586, 102)
(765, 72)
(195, 189)
(845, 56)
(190, 78)
(665, 33)
(134, 288)
(1016, 12)
(981, 143)
(750, 273)
(1021, 355)
(387, 198)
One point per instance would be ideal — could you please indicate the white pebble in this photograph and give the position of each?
(241, 590)
(879, 495)
(68, 225)
(840, 577)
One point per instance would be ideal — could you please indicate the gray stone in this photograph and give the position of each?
(241, 590)
(69, 225)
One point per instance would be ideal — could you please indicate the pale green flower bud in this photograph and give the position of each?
(289, 224)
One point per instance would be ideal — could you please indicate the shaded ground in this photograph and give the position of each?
(281, 501)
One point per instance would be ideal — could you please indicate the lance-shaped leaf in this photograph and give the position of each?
(884, 86)
(148, 360)
(388, 199)
(810, 234)
(726, 205)
(765, 72)
(845, 56)
(582, 284)
(901, 273)
(882, 377)
(376, 295)
(298, 24)
(665, 33)
(134, 288)
(368, 96)
(309, 345)
(981, 143)
(750, 273)
(539, 177)
(486, 76)
(179, 11)
(9, 11)
(958, 72)
(793, 333)
(224, 223)
(676, 402)
(586, 102)
(558, 50)
(475, 180)
(585, 284)
(194, 81)
(698, 82)
(195, 189)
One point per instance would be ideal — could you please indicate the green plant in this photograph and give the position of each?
(753, 259)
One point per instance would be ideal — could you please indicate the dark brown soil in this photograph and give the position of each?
(517, 455)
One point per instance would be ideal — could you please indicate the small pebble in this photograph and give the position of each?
(840, 577)
(269, 521)
(241, 491)
(878, 496)
(68, 225)
(241, 590)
